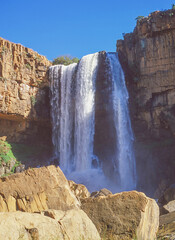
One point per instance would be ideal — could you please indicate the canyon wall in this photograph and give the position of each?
(148, 59)
(24, 94)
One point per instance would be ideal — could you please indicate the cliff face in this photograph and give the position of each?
(148, 59)
(24, 92)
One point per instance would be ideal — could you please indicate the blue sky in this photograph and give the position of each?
(79, 27)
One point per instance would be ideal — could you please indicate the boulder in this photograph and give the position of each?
(76, 224)
(79, 190)
(167, 227)
(29, 226)
(35, 190)
(122, 216)
(72, 224)
(102, 192)
(169, 207)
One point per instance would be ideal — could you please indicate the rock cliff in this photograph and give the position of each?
(148, 57)
(24, 92)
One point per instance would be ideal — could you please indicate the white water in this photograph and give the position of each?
(85, 111)
(62, 117)
(124, 145)
(55, 108)
(73, 120)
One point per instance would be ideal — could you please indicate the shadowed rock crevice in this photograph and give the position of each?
(105, 137)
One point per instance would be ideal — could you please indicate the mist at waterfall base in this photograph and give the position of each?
(91, 128)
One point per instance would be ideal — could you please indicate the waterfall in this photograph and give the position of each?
(62, 115)
(125, 155)
(84, 114)
(74, 123)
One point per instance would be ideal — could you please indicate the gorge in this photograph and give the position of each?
(108, 121)
(79, 142)
(147, 58)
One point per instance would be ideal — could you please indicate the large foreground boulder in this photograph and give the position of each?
(35, 190)
(76, 223)
(73, 224)
(123, 216)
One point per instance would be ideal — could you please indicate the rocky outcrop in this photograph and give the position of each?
(148, 58)
(167, 227)
(24, 103)
(36, 190)
(149, 55)
(73, 224)
(126, 215)
(79, 190)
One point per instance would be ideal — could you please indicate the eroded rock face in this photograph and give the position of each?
(35, 190)
(124, 215)
(148, 57)
(24, 103)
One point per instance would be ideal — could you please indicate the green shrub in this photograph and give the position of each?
(173, 6)
(28, 66)
(17, 163)
(33, 100)
(7, 157)
(139, 18)
(65, 60)
(6, 154)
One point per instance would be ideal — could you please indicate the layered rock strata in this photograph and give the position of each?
(148, 58)
(24, 93)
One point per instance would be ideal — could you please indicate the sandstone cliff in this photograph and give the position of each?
(148, 58)
(24, 103)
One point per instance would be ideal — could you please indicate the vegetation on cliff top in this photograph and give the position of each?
(162, 13)
(65, 60)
